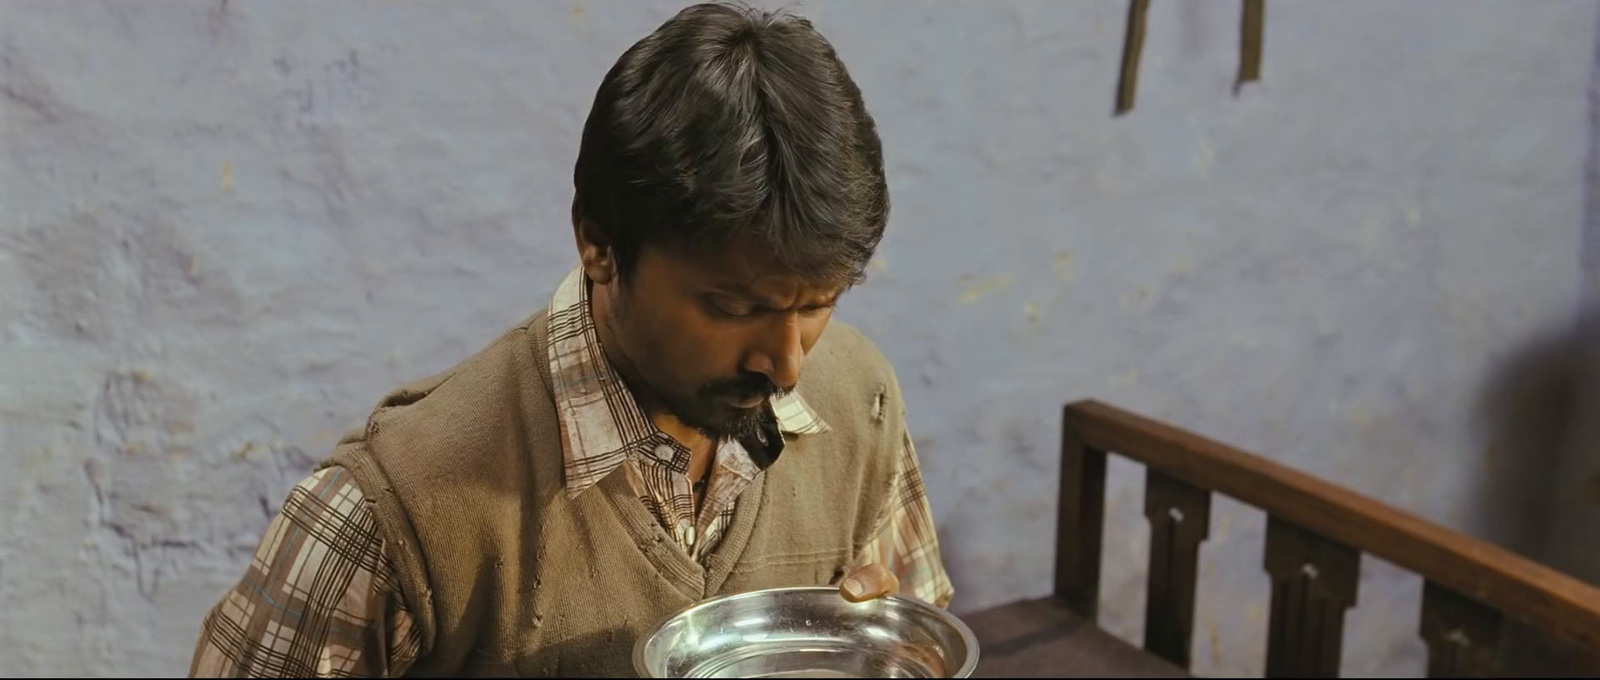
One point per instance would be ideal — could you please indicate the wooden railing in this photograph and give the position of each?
(1316, 534)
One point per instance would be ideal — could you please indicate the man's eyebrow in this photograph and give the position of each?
(735, 289)
(748, 294)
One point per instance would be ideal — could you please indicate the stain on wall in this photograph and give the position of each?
(216, 256)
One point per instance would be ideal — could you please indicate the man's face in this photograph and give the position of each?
(711, 336)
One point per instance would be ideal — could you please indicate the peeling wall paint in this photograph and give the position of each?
(216, 256)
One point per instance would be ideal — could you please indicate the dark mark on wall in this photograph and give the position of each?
(217, 22)
(21, 87)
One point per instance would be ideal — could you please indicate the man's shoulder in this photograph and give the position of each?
(846, 375)
(506, 364)
(472, 409)
(843, 347)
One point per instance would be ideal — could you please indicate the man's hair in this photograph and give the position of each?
(731, 122)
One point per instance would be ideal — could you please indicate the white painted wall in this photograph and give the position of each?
(226, 228)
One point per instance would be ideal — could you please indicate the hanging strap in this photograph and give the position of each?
(1128, 83)
(1252, 32)
(1252, 27)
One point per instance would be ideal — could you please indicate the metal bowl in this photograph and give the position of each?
(810, 632)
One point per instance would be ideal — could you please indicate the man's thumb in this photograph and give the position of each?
(869, 582)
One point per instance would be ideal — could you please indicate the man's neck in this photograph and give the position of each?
(702, 450)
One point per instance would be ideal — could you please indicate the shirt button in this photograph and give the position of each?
(664, 451)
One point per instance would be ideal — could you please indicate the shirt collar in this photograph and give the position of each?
(601, 423)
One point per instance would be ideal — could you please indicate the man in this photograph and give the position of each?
(675, 425)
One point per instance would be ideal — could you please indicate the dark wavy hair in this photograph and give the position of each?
(727, 122)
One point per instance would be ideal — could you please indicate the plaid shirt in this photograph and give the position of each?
(320, 597)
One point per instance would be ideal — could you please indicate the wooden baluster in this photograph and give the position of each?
(1180, 520)
(1585, 662)
(1313, 582)
(1463, 636)
(1080, 521)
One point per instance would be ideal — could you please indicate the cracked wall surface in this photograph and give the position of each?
(226, 228)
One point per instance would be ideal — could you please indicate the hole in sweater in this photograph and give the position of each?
(878, 404)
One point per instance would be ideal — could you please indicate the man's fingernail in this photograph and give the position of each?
(854, 587)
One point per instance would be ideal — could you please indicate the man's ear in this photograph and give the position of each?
(599, 263)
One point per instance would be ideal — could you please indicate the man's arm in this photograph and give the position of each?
(907, 545)
(319, 598)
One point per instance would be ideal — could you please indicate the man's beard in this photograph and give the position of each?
(710, 412)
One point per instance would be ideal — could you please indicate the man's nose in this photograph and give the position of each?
(778, 354)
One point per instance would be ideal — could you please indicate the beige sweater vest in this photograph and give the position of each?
(507, 576)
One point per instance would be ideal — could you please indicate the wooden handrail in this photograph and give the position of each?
(1555, 603)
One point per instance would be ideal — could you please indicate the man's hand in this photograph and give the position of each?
(869, 582)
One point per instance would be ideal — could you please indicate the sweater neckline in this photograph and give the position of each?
(696, 580)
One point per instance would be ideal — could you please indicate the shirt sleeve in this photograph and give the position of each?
(907, 543)
(319, 598)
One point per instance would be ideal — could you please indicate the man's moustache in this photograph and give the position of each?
(740, 388)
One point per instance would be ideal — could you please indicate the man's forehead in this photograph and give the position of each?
(750, 269)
